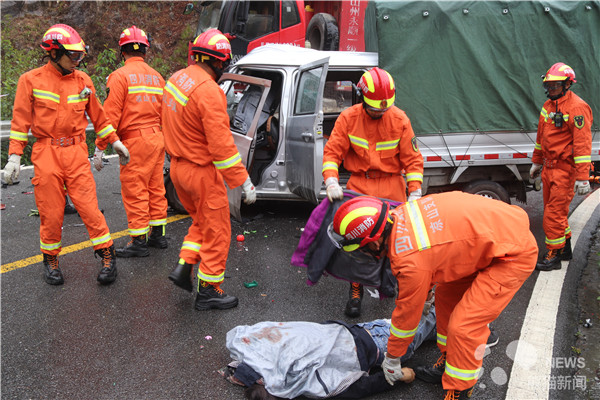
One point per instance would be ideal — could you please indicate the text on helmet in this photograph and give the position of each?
(360, 229)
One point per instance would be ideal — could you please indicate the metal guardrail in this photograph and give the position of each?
(5, 130)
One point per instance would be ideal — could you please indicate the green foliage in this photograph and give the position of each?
(14, 63)
(106, 63)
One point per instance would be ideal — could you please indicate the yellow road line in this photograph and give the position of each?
(70, 249)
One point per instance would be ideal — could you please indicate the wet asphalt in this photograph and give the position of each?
(140, 338)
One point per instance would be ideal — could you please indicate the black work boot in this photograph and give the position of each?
(353, 305)
(182, 275)
(210, 295)
(52, 273)
(550, 261)
(434, 373)
(452, 394)
(157, 238)
(108, 273)
(567, 253)
(136, 247)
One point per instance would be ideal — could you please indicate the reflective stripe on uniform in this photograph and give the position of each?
(418, 225)
(330, 166)
(44, 94)
(16, 135)
(388, 145)
(74, 98)
(176, 93)
(462, 374)
(210, 278)
(582, 159)
(441, 339)
(50, 246)
(101, 239)
(191, 246)
(228, 163)
(414, 176)
(106, 131)
(537, 146)
(402, 334)
(560, 240)
(144, 89)
(158, 222)
(138, 232)
(360, 142)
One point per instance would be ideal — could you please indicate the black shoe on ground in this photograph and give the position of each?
(136, 247)
(353, 305)
(551, 260)
(52, 273)
(567, 253)
(432, 374)
(452, 394)
(69, 209)
(157, 237)
(212, 296)
(492, 340)
(108, 273)
(182, 275)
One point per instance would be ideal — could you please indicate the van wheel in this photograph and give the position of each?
(171, 195)
(489, 189)
(323, 32)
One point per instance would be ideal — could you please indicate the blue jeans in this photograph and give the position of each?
(380, 332)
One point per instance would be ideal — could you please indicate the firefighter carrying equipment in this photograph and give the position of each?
(12, 169)
(376, 152)
(498, 253)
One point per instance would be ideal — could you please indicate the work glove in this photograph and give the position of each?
(414, 195)
(582, 187)
(392, 369)
(249, 191)
(122, 152)
(334, 190)
(12, 168)
(98, 159)
(535, 170)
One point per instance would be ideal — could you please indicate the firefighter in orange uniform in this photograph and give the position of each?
(53, 102)
(376, 142)
(477, 251)
(203, 153)
(563, 153)
(134, 107)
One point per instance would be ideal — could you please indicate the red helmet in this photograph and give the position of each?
(560, 72)
(377, 87)
(134, 35)
(63, 36)
(212, 43)
(358, 221)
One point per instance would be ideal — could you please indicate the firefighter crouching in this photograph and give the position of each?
(563, 153)
(477, 251)
(133, 105)
(53, 101)
(376, 143)
(203, 153)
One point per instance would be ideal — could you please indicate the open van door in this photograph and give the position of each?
(246, 97)
(304, 132)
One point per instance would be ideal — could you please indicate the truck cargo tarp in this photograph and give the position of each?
(477, 65)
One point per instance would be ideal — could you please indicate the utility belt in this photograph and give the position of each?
(560, 164)
(373, 174)
(139, 132)
(64, 141)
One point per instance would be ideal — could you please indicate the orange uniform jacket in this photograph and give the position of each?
(573, 142)
(364, 144)
(446, 237)
(191, 93)
(49, 104)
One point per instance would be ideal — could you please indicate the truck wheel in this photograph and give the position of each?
(489, 189)
(323, 32)
(171, 195)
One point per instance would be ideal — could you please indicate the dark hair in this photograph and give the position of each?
(128, 48)
(258, 392)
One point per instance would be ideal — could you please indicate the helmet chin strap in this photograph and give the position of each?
(56, 60)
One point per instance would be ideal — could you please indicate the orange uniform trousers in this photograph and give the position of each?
(389, 186)
(142, 184)
(557, 187)
(57, 168)
(203, 195)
